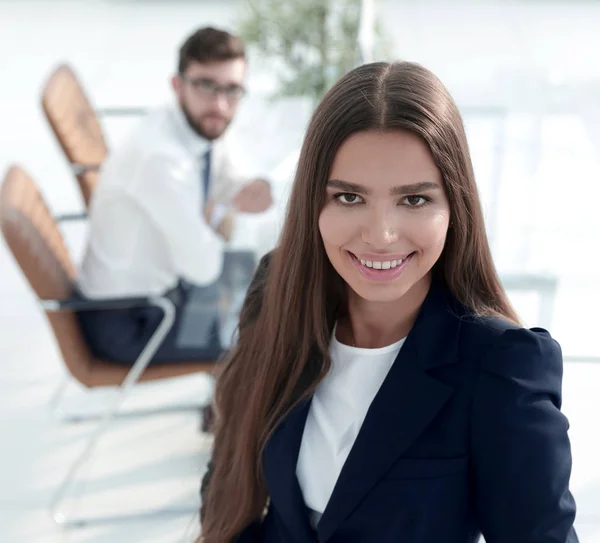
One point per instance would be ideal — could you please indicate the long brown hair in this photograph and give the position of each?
(289, 317)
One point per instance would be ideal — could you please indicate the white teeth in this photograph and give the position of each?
(378, 265)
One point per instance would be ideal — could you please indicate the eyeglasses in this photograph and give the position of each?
(209, 88)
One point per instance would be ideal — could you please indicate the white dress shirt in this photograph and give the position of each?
(337, 411)
(147, 228)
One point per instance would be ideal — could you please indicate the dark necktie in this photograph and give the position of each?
(206, 173)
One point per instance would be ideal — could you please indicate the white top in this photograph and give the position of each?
(147, 228)
(338, 408)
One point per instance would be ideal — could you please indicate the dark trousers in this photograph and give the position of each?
(119, 335)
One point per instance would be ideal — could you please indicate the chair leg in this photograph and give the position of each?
(126, 387)
(65, 417)
(154, 514)
(88, 417)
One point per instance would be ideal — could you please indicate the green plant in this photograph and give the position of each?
(309, 43)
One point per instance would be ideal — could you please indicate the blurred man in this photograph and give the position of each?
(165, 204)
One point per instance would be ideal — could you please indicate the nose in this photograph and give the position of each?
(381, 229)
(221, 104)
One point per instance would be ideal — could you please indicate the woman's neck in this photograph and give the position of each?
(371, 325)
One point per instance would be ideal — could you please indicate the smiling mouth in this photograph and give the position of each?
(381, 270)
(381, 264)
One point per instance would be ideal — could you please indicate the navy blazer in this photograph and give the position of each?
(465, 437)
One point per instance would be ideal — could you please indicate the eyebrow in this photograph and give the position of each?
(400, 190)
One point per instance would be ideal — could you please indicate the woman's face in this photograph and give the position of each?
(386, 214)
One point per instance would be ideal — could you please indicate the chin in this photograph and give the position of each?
(380, 293)
(210, 133)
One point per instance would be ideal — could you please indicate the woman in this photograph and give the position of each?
(381, 389)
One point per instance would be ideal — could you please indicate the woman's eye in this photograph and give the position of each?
(416, 201)
(347, 198)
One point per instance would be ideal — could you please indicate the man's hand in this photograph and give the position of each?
(222, 225)
(255, 197)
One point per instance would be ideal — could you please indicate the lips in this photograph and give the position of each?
(380, 269)
(381, 264)
(377, 261)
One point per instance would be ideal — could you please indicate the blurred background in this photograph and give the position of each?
(526, 76)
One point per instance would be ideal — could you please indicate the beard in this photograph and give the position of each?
(199, 127)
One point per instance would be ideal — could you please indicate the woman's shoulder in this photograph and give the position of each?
(261, 273)
(500, 344)
(506, 348)
(496, 329)
(264, 261)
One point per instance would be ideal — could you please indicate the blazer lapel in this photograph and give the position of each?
(404, 406)
(279, 462)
